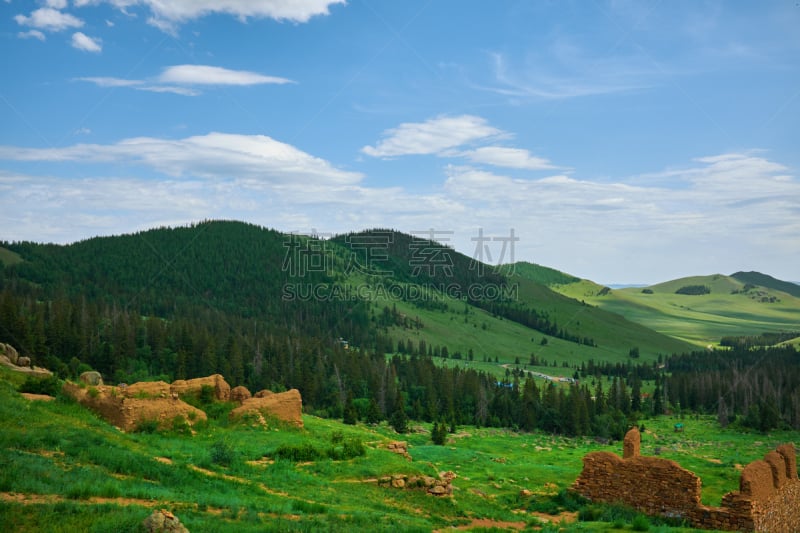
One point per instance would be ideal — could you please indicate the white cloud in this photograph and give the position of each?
(215, 155)
(31, 34)
(175, 78)
(500, 156)
(104, 81)
(183, 91)
(718, 214)
(209, 75)
(56, 4)
(81, 41)
(49, 19)
(167, 14)
(432, 136)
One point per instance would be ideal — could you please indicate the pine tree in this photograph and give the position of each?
(350, 415)
(399, 419)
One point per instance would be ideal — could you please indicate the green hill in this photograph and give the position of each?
(732, 307)
(763, 280)
(8, 258)
(542, 274)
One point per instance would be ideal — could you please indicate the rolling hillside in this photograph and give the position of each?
(734, 306)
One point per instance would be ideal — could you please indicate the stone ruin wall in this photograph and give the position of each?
(768, 498)
(127, 406)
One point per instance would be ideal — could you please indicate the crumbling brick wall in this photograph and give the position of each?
(768, 498)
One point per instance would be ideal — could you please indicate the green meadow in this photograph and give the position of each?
(62, 469)
(728, 310)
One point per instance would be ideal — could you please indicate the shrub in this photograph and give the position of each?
(207, 394)
(298, 452)
(222, 453)
(640, 523)
(353, 447)
(181, 426)
(93, 392)
(147, 426)
(48, 385)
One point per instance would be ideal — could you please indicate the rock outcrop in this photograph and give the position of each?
(768, 498)
(130, 412)
(240, 394)
(163, 521)
(441, 486)
(399, 447)
(222, 391)
(286, 407)
(10, 358)
(10, 352)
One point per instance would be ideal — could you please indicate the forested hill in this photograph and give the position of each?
(764, 280)
(278, 311)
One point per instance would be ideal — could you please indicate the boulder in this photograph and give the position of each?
(399, 447)
(91, 377)
(222, 391)
(284, 406)
(240, 394)
(10, 352)
(263, 393)
(163, 521)
(24, 361)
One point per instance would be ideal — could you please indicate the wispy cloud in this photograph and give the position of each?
(180, 79)
(501, 156)
(31, 34)
(209, 75)
(565, 72)
(215, 155)
(81, 41)
(432, 136)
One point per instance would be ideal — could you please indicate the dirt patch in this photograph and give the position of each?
(567, 518)
(34, 499)
(37, 397)
(485, 523)
(165, 460)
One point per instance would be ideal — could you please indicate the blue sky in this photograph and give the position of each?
(621, 141)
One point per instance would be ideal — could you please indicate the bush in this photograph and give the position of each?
(640, 523)
(181, 426)
(147, 426)
(298, 452)
(222, 453)
(49, 385)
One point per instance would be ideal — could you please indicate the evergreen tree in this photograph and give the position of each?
(350, 415)
(399, 418)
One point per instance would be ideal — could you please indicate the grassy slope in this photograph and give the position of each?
(8, 258)
(494, 337)
(90, 477)
(701, 320)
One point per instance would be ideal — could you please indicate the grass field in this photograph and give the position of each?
(496, 341)
(62, 470)
(702, 319)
